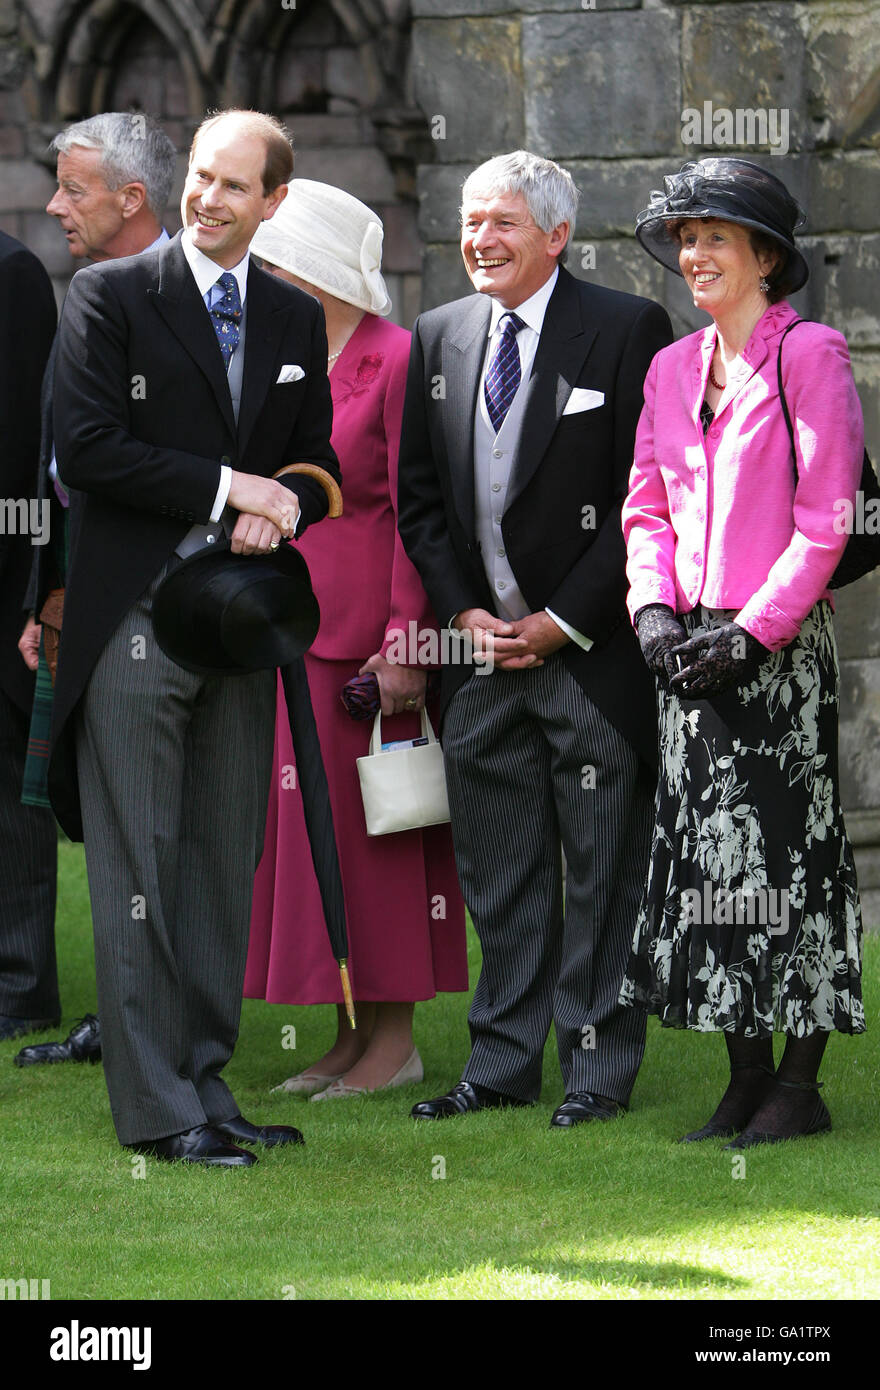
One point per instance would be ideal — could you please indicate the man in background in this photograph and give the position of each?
(28, 978)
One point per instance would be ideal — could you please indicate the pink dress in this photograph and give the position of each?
(403, 904)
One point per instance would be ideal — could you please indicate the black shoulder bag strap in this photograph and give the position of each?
(862, 552)
(782, 401)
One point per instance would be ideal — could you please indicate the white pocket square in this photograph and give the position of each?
(290, 373)
(583, 399)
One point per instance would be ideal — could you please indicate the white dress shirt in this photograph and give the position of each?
(206, 273)
(532, 312)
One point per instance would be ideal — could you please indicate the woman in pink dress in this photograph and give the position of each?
(404, 908)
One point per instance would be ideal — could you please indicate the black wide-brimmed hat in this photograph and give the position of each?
(735, 190)
(221, 614)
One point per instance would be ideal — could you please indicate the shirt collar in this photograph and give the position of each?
(531, 311)
(162, 237)
(207, 272)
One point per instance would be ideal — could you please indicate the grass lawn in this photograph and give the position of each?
(606, 1211)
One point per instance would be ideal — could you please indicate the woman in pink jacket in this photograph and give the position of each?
(750, 922)
(404, 908)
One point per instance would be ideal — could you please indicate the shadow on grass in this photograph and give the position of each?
(631, 1274)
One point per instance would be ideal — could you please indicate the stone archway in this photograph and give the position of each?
(335, 70)
(83, 52)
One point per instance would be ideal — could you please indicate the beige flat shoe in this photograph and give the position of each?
(411, 1071)
(305, 1083)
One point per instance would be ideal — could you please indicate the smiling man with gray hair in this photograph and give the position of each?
(518, 429)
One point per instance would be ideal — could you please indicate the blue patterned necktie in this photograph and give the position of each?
(503, 373)
(226, 316)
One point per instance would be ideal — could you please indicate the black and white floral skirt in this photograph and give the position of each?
(750, 921)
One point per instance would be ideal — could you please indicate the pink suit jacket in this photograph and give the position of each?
(365, 583)
(718, 520)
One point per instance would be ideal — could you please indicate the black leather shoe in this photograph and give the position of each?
(580, 1106)
(462, 1099)
(241, 1131)
(17, 1027)
(203, 1144)
(82, 1044)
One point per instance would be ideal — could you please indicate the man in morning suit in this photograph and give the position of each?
(518, 428)
(175, 404)
(28, 978)
(115, 172)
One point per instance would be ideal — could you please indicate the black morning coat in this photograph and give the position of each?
(561, 526)
(143, 421)
(27, 326)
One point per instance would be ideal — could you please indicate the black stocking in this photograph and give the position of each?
(802, 1058)
(751, 1072)
(794, 1107)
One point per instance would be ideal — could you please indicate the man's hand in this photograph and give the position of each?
(29, 644)
(263, 497)
(254, 535)
(491, 638)
(401, 688)
(542, 637)
(511, 646)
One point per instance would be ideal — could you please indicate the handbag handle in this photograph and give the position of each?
(376, 736)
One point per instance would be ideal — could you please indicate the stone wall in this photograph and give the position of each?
(337, 71)
(601, 86)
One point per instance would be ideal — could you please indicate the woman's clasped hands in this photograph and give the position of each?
(701, 666)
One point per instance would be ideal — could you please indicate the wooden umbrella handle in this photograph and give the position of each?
(320, 475)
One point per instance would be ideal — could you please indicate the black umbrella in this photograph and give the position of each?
(318, 816)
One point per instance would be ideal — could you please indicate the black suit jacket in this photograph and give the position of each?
(143, 422)
(47, 566)
(27, 323)
(591, 338)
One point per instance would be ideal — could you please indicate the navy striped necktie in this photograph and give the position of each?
(503, 374)
(226, 316)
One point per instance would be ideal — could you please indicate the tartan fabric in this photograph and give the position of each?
(34, 790)
(503, 373)
(36, 766)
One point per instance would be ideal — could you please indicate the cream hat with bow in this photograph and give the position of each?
(329, 239)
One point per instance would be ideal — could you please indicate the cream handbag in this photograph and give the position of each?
(403, 788)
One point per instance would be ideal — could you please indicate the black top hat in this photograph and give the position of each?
(221, 614)
(735, 190)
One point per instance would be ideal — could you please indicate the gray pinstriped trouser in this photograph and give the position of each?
(518, 749)
(174, 773)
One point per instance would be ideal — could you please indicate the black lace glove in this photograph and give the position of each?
(659, 631)
(715, 660)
